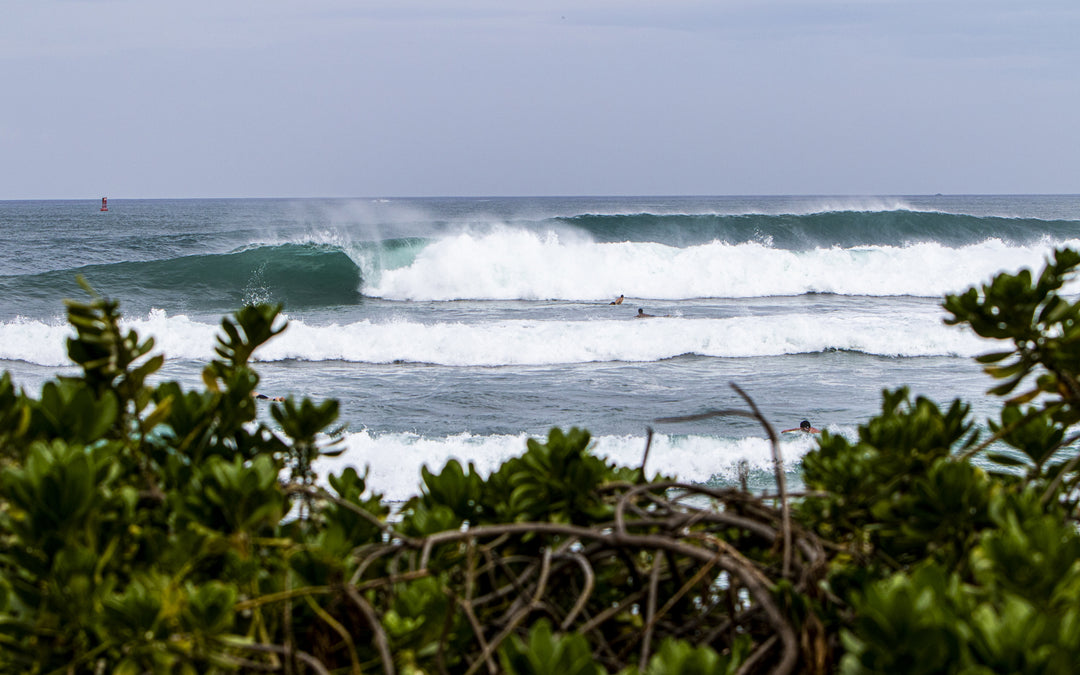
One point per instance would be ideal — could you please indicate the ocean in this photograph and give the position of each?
(461, 327)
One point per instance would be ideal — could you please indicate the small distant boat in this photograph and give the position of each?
(104, 204)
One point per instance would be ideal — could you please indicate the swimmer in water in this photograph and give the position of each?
(804, 427)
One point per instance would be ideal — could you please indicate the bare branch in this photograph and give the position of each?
(781, 480)
(381, 643)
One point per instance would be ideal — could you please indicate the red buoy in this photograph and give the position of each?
(104, 205)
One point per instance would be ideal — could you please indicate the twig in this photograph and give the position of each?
(583, 597)
(500, 562)
(381, 642)
(545, 572)
(1069, 466)
(286, 624)
(518, 582)
(789, 643)
(698, 576)
(505, 633)
(603, 616)
(339, 629)
(323, 493)
(650, 611)
(478, 630)
(280, 596)
(645, 457)
(781, 480)
(715, 516)
(751, 663)
(287, 652)
(380, 551)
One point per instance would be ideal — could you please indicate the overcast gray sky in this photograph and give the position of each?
(309, 98)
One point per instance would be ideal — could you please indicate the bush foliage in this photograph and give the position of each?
(145, 528)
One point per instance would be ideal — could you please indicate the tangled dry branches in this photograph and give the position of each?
(686, 561)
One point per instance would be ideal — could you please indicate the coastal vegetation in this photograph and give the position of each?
(146, 528)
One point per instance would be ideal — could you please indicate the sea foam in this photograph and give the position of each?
(394, 459)
(534, 342)
(509, 263)
(531, 342)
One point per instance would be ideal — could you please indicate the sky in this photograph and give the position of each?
(397, 98)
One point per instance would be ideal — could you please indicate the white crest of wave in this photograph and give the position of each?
(394, 459)
(531, 342)
(35, 341)
(528, 342)
(511, 263)
(44, 343)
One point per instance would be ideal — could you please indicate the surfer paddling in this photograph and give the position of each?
(804, 427)
(264, 397)
(642, 315)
